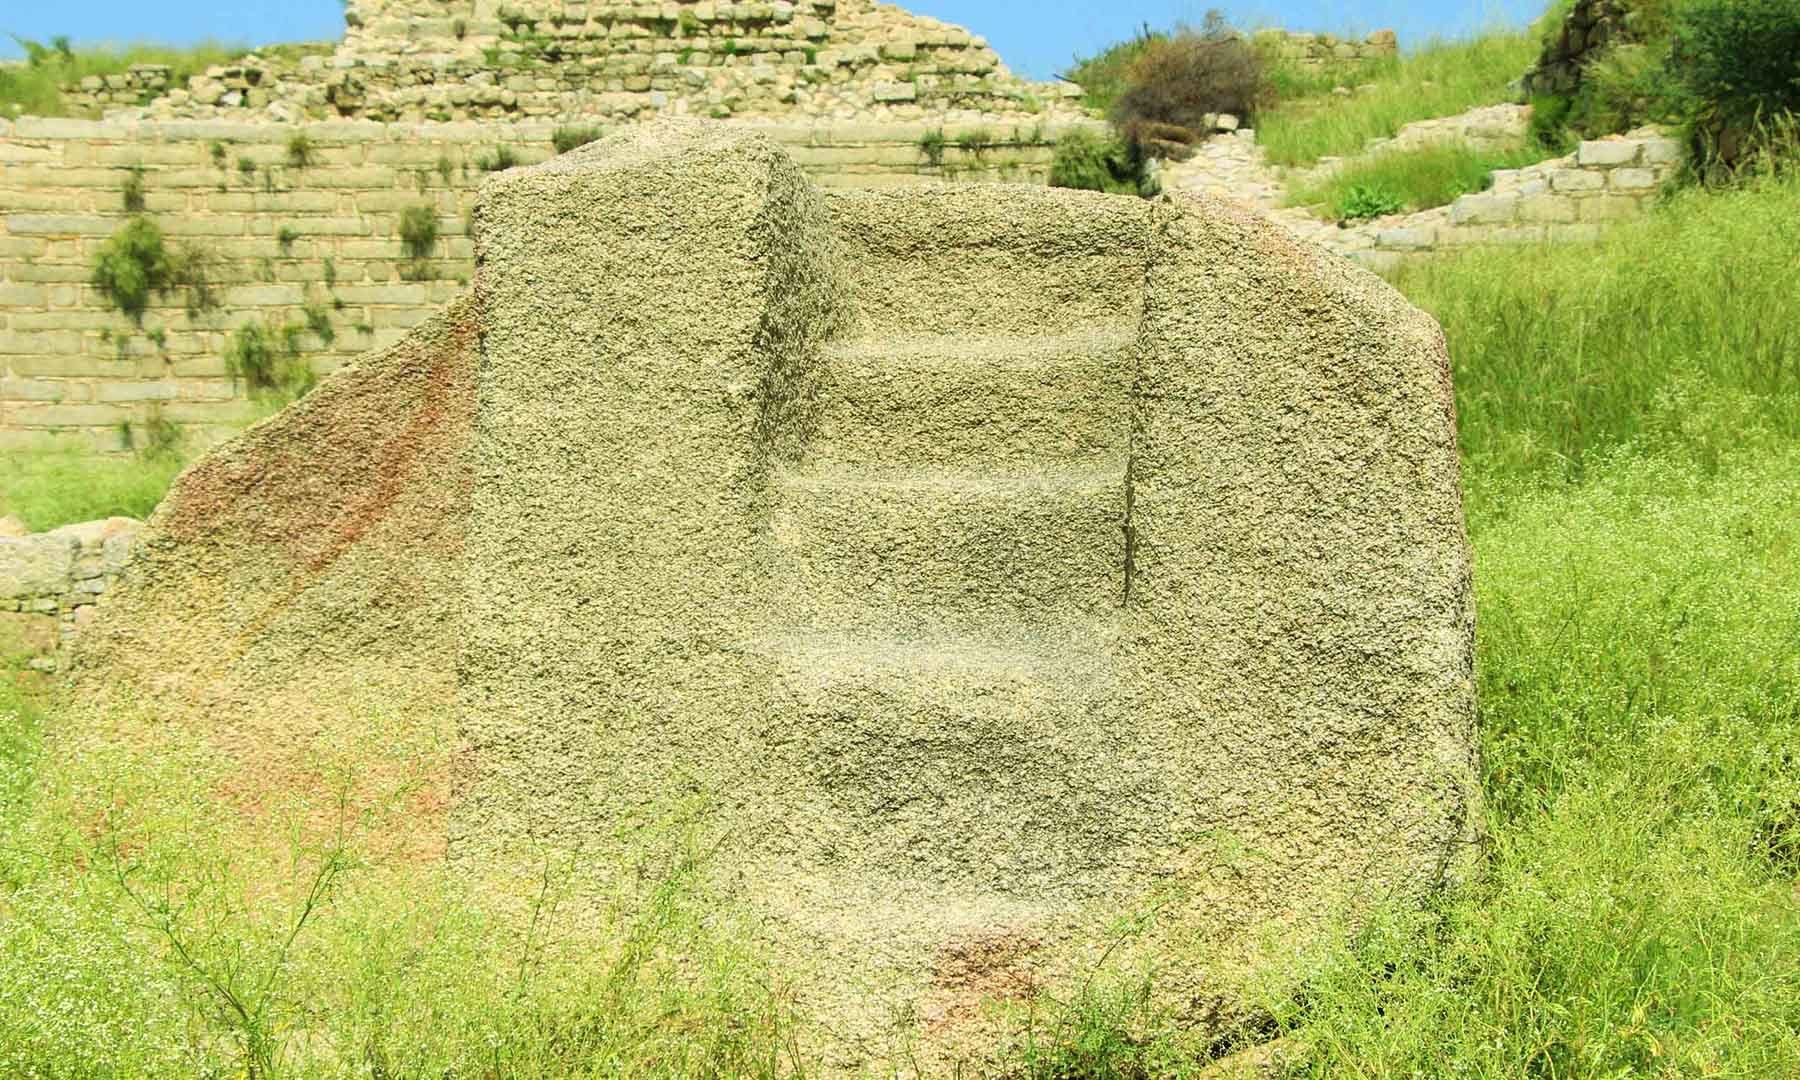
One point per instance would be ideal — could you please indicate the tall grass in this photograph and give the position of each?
(1440, 79)
(45, 489)
(1640, 910)
(1681, 331)
(35, 89)
(1407, 179)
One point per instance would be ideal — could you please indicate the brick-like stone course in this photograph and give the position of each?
(50, 582)
(289, 240)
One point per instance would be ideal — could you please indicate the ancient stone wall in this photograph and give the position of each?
(1318, 50)
(302, 224)
(1568, 199)
(413, 60)
(51, 582)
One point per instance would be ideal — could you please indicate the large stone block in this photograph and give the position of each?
(993, 562)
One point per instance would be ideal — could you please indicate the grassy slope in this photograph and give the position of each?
(1441, 79)
(1631, 428)
(1628, 419)
(1407, 180)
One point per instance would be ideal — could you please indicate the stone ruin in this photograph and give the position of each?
(997, 560)
(421, 60)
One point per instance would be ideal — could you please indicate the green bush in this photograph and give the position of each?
(1738, 62)
(268, 359)
(503, 157)
(1177, 81)
(131, 192)
(135, 264)
(132, 266)
(419, 231)
(1361, 201)
(1096, 163)
(300, 150)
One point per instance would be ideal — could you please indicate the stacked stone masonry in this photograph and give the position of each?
(1319, 50)
(310, 245)
(445, 60)
(50, 583)
(1568, 199)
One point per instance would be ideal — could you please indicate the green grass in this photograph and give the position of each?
(1440, 79)
(1408, 179)
(1680, 331)
(36, 90)
(47, 489)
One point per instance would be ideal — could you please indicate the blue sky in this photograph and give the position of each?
(1037, 37)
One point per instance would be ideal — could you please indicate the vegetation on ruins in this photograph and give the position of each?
(931, 146)
(1439, 79)
(1177, 82)
(503, 157)
(1722, 69)
(418, 231)
(1417, 179)
(136, 264)
(1100, 163)
(564, 139)
(300, 150)
(35, 87)
(131, 192)
(270, 359)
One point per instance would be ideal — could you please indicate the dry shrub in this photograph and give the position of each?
(1180, 80)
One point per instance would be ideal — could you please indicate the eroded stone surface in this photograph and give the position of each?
(691, 501)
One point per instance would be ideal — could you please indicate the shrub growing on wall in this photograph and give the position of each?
(573, 137)
(419, 231)
(1176, 82)
(132, 265)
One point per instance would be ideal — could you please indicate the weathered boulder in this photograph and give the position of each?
(991, 562)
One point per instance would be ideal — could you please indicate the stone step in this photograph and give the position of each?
(926, 547)
(988, 757)
(965, 401)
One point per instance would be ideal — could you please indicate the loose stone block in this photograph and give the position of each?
(1632, 179)
(1547, 208)
(1484, 209)
(950, 681)
(1605, 152)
